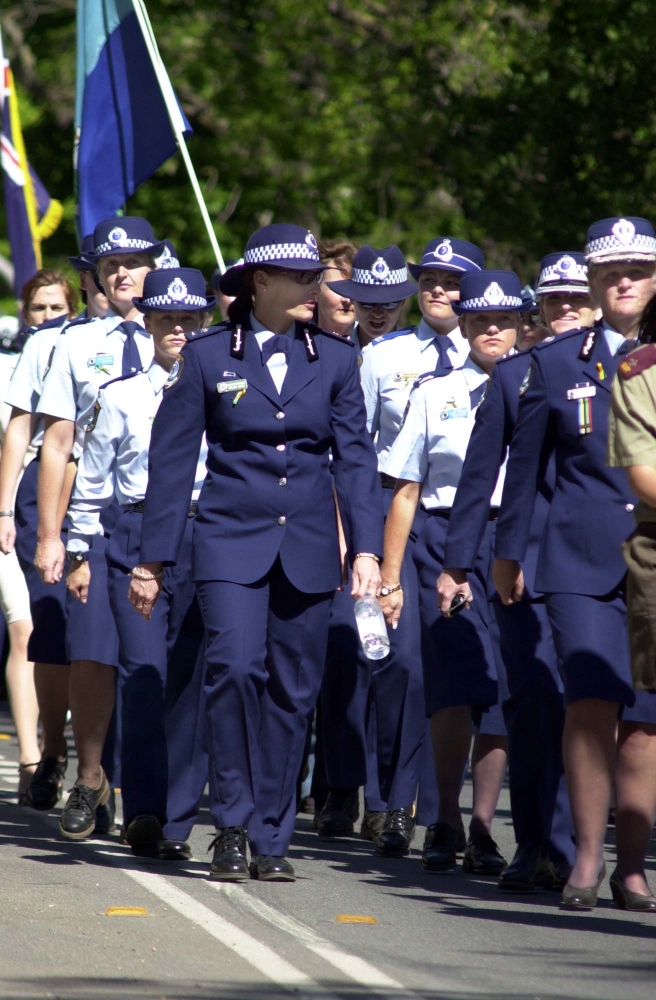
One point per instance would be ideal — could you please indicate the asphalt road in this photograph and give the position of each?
(450, 937)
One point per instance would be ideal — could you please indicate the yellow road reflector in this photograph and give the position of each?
(351, 918)
(126, 911)
(5, 736)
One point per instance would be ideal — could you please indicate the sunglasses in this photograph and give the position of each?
(387, 306)
(301, 277)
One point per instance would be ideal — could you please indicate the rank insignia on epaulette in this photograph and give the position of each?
(588, 345)
(638, 361)
(526, 381)
(93, 419)
(237, 343)
(310, 346)
(175, 373)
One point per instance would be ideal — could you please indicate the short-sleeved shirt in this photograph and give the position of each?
(632, 425)
(390, 367)
(430, 447)
(114, 460)
(87, 356)
(24, 390)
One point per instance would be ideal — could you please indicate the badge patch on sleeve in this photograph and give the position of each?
(175, 373)
(526, 380)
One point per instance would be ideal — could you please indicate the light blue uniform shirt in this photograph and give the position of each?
(86, 357)
(430, 448)
(114, 461)
(390, 367)
(26, 384)
(613, 338)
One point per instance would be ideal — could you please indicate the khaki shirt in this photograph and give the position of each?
(632, 427)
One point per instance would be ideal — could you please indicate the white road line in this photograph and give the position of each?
(259, 955)
(350, 965)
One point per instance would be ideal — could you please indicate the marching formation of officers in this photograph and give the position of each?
(188, 510)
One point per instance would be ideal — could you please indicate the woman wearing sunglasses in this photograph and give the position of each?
(275, 395)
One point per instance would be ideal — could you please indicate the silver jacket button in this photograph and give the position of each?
(629, 507)
(280, 447)
(282, 481)
(282, 520)
(280, 415)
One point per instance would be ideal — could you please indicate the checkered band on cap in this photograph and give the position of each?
(566, 270)
(281, 251)
(126, 244)
(480, 302)
(362, 277)
(191, 301)
(606, 244)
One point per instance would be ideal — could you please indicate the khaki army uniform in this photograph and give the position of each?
(632, 441)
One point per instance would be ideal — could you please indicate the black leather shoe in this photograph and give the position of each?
(78, 819)
(397, 834)
(372, 825)
(106, 816)
(482, 856)
(526, 871)
(340, 812)
(268, 868)
(560, 873)
(143, 830)
(624, 899)
(45, 788)
(164, 850)
(440, 846)
(229, 862)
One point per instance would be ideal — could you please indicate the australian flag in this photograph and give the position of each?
(123, 130)
(32, 215)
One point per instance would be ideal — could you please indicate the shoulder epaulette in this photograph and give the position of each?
(79, 321)
(334, 336)
(581, 332)
(193, 338)
(393, 335)
(638, 361)
(122, 378)
(513, 357)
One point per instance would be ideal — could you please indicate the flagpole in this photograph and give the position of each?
(176, 121)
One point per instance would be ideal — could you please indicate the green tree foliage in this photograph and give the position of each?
(512, 124)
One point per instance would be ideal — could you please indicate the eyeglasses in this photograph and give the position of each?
(301, 277)
(387, 306)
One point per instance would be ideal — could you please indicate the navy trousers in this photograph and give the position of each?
(164, 757)
(373, 719)
(266, 649)
(535, 715)
(461, 657)
(47, 643)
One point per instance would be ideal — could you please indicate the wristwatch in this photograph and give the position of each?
(384, 591)
(77, 557)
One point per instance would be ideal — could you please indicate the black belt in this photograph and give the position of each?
(445, 512)
(387, 482)
(138, 508)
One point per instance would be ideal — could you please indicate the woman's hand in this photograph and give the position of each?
(509, 580)
(143, 594)
(392, 606)
(7, 534)
(49, 559)
(78, 579)
(366, 577)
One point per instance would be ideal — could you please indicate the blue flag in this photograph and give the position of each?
(123, 130)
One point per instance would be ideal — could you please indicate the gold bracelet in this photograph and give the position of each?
(146, 579)
(368, 555)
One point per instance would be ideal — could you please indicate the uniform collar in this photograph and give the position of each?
(613, 337)
(158, 376)
(426, 335)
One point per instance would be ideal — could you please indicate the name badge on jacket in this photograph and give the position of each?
(101, 362)
(236, 385)
(582, 391)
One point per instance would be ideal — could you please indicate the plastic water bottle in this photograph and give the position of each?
(371, 627)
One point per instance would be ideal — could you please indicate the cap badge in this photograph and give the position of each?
(623, 230)
(118, 236)
(493, 294)
(379, 269)
(565, 265)
(444, 251)
(311, 241)
(177, 290)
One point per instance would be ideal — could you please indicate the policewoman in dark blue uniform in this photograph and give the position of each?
(535, 711)
(274, 395)
(564, 409)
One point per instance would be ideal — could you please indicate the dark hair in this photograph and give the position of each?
(241, 306)
(647, 325)
(46, 276)
(340, 251)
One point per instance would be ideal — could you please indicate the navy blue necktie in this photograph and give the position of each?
(131, 357)
(444, 363)
(280, 343)
(624, 348)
